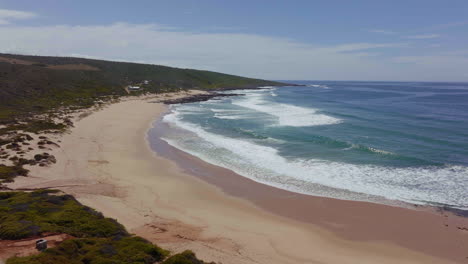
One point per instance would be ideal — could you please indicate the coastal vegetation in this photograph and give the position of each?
(96, 239)
(8, 173)
(39, 84)
(186, 257)
(26, 214)
(98, 250)
(17, 149)
(39, 96)
(36, 125)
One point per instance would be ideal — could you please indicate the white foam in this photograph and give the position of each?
(378, 151)
(263, 164)
(189, 108)
(288, 115)
(318, 86)
(232, 117)
(229, 114)
(226, 110)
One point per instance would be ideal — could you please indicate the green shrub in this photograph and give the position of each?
(186, 257)
(97, 251)
(36, 126)
(7, 173)
(47, 212)
(99, 240)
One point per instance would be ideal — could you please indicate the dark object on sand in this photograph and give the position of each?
(41, 244)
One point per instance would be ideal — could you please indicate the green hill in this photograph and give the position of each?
(40, 83)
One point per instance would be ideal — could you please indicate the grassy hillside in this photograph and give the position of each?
(39, 83)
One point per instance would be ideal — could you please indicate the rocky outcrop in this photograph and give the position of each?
(198, 98)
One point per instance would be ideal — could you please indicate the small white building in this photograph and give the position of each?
(133, 87)
(145, 82)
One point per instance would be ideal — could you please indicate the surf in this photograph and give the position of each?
(264, 164)
(287, 115)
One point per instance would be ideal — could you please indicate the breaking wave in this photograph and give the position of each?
(287, 115)
(438, 184)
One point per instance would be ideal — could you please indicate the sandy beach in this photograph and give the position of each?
(105, 161)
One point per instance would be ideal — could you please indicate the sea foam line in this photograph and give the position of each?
(445, 185)
(318, 86)
(230, 117)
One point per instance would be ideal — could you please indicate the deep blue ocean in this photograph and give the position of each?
(404, 141)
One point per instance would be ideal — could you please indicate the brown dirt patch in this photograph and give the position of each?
(27, 246)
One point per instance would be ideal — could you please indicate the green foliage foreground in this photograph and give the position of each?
(186, 257)
(8, 173)
(25, 214)
(99, 240)
(118, 250)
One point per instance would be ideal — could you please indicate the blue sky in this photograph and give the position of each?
(323, 40)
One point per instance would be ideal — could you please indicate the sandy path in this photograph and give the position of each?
(106, 163)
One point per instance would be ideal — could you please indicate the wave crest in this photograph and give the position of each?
(441, 184)
(288, 115)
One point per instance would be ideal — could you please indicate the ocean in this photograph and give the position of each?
(365, 141)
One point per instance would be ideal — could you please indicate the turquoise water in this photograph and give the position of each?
(347, 140)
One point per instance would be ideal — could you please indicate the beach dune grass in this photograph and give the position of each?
(36, 126)
(116, 250)
(107, 251)
(98, 240)
(186, 257)
(8, 173)
(26, 214)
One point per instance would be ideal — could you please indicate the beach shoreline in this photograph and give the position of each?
(354, 220)
(106, 163)
(186, 161)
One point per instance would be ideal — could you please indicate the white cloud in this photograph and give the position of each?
(245, 54)
(450, 25)
(383, 31)
(424, 36)
(235, 53)
(6, 15)
(362, 46)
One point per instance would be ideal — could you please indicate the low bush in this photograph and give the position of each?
(97, 251)
(8, 173)
(99, 240)
(48, 212)
(186, 257)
